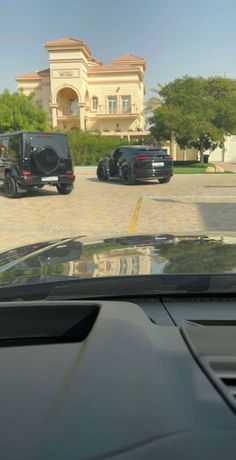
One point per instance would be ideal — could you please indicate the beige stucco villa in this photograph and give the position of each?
(78, 90)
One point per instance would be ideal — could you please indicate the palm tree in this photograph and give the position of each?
(153, 102)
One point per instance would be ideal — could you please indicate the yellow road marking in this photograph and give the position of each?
(135, 216)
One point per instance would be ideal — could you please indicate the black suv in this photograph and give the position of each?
(33, 160)
(136, 162)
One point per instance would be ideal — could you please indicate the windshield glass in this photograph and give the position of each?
(117, 149)
(116, 257)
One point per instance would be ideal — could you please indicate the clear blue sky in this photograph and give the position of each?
(176, 37)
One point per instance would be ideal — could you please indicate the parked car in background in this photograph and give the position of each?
(136, 162)
(35, 159)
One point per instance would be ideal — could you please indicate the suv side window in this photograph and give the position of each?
(14, 147)
(5, 148)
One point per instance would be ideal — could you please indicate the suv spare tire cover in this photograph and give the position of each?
(45, 159)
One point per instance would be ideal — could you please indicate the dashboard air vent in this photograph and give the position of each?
(225, 371)
(213, 343)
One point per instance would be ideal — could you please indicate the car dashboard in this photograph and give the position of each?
(142, 378)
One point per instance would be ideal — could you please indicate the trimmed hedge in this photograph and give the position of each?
(87, 149)
(188, 163)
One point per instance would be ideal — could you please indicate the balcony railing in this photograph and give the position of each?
(117, 110)
(66, 115)
(65, 111)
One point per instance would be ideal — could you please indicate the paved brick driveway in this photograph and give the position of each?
(189, 203)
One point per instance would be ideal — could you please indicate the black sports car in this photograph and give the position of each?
(136, 162)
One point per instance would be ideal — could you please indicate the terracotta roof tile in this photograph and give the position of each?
(93, 60)
(66, 41)
(29, 76)
(43, 71)
(129, 58)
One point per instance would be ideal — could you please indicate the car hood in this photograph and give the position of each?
(134, 255)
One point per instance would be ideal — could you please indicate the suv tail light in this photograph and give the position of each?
(70, 174)
(142, 158)
(26, 175)
(168, 157)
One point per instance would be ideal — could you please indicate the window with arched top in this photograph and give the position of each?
(95, 103)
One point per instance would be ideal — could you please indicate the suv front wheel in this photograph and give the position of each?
(101, 173)
(64, 189)
(11, 187)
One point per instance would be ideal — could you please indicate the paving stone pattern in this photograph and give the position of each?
(189, 203)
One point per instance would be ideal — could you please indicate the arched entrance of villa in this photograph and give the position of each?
(68, 111)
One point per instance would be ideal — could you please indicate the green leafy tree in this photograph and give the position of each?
(17, 112)
(167, 123)
(197, 112)
(199, 256)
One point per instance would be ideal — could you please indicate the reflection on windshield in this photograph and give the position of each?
(132, 256)
(115, 263)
